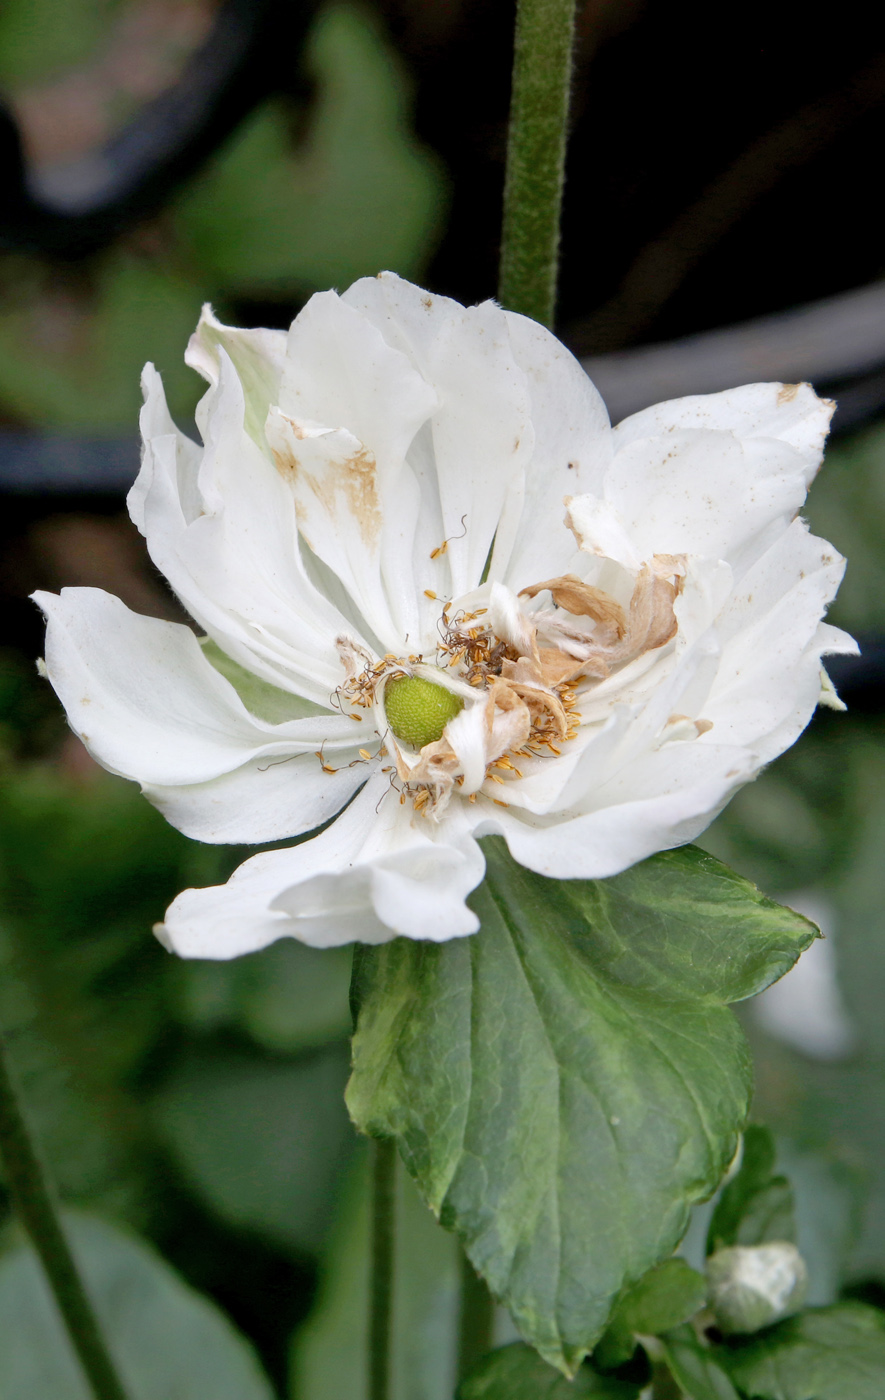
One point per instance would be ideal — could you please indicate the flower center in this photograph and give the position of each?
(417, 710)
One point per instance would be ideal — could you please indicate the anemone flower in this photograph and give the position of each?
(438, 597)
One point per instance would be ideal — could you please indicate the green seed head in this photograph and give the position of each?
(418, 711)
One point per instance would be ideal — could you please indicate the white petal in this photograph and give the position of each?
(258, 356)
(467, 735)
(795, 554)
(340, 371)
(335, 485)
(171, 469)
(482, 432)
(768, 681)
(148, 705)
(507, 620)
(267, 799)
(683, 789)
(793, 413)
(235, 562)
(370, 876)
(703, 492)
(599, 530)
(834, 642)
(706, 589)
(572, 448)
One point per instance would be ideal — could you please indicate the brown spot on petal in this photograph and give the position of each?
(353, 477)
(326, 473)
(787, 392)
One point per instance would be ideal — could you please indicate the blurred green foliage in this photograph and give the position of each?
(39, 38)
(166, 1339)
(269, 216)
(296, 200)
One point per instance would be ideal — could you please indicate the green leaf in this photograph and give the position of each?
(72, 352)
(696, 1368)
(85, 869)
(261, 1141)
(666, 1296)
(564, 1084)
(835, 1353)
(166, 1339)
(287, 997)
(756, 1206)
(516, 1372)
(682, 924)
(330, 1354)
(357, 194)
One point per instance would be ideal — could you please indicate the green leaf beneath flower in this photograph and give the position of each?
(166, 1339)
(516, 1372)
(833, 1353)
(564, 1084)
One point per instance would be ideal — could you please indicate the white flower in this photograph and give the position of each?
(442, 598)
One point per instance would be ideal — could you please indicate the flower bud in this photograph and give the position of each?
(752, 1286)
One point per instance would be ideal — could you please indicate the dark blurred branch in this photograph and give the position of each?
(75, 208)
(663, 264)
(837, 339)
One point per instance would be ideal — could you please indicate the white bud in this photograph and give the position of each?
(752, 1286)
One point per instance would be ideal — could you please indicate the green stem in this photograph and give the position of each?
(542, 65)
(33, 1201)
(476, 1321)
(381, 1284)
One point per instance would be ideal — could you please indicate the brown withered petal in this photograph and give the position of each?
(581, 599)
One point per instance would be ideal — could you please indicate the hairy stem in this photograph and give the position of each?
(542, 65)
(33, 1201)
(381, 1283)
(476, 1320)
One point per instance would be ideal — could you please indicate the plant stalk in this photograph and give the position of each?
(542, 67)
(381, 1283)
(476, 1322)
(33, 1202)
